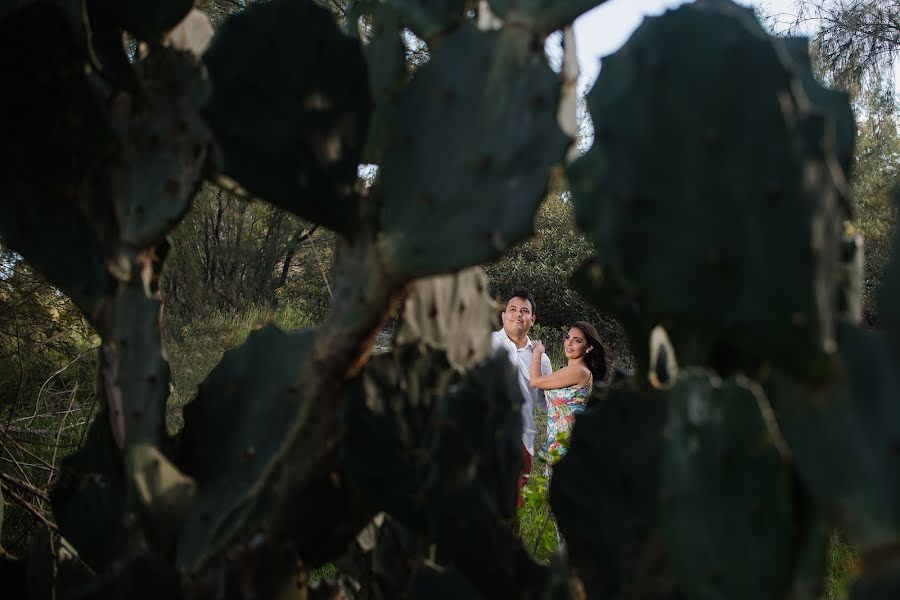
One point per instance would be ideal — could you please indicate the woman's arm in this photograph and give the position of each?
(565, 377)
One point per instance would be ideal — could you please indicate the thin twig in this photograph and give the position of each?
(47, 415)
(13, 458)
(59, 433)
(87, 422)
(25, 450)
(25, 486)
(37, 402)
(321, 268)
(24, 464)
(34, 511)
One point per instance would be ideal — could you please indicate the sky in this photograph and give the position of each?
(603, 30)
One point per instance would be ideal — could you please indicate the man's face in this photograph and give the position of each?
(518, 317)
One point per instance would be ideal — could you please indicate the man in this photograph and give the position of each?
(518, 317)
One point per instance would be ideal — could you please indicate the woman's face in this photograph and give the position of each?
(575, 344)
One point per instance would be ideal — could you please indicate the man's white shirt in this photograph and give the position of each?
(521, 359)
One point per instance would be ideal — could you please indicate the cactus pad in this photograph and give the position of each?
(465, 169)
(73, 260)
(234, 430)
(605, 495)
(388, 416)
(726, 494)
(386, 57)
(679, 203)
(858, 479)
(451, 312)
(134, 369)
(165, 147)
(289, 109)
(428, 18)
(834, 104)
(160, 492)
(543, 15)
(471, 491)
(89, 497)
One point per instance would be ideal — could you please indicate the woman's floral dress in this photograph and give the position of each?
(562, 406)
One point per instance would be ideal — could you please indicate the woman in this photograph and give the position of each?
(567, 390)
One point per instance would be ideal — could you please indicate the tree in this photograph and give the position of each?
(230, 254)
(857, 42)
(876, 176)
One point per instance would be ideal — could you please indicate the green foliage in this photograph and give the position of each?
(875, 177)
(843, 567)
(47, 355)
(536, 524)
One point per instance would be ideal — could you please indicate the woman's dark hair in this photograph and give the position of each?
(597, 360)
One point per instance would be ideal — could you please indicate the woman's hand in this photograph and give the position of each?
(537, 348)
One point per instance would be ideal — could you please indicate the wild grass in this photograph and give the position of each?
(842, 567)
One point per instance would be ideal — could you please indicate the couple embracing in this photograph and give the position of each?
(564, 393)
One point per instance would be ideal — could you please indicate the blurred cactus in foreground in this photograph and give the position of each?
(714, 195)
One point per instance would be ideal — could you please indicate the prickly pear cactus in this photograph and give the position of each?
(713, 194)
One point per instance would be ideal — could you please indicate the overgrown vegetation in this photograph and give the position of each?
(47, 371)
